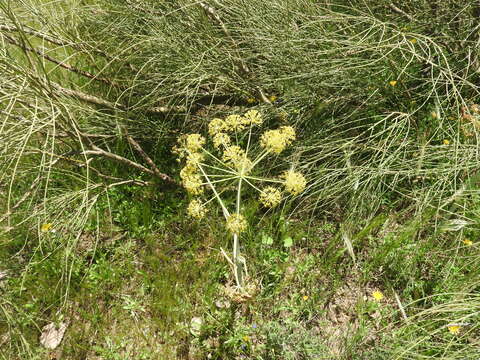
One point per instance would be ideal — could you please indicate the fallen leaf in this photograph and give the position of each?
(51, 336)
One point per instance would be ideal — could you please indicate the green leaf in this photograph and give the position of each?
(267, 240)
(288, 242)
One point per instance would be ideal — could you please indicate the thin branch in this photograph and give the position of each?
(100, 152)
(212, 14)
(25, 196)
(148, 160)
(401, 12)
(61, 63)
(33, 32)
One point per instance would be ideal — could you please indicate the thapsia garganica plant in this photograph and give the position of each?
(215, 167)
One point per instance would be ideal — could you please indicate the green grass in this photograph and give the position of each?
(389, 204)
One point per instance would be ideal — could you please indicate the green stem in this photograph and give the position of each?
(224, 209)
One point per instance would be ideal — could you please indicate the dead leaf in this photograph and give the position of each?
(52, 336)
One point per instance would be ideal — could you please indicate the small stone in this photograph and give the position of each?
(196, 326)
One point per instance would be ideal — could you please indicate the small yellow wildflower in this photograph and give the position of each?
(270, 197)
(434, 115)
(194, 142)
(196, 209)
(413, 41)
(295, 182)
(252, 117)
(246, 338)
(216, 126)
(277, 140)
(221, 139)
(446, 142)
(236, 223)
(393, 82)
(193, 184)
(46, 227)
(251, 100)
(272, 98)
(377, 295)
(454, 329)
(468, 242)
(234, 123)
(305, 297)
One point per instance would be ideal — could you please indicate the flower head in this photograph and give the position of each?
(446, 142)
(454, 329)
(234, 123)
(468, 242)
(236, 223)
(252, 117)
(294, 182)
(193, 184)
(188, 170)
(221, 139)
(236, 157)
(251, 100)
(195, 158)
(270, 197)
(393, 82)
(277, 140)
(216, 126)
(196, 209)
(46, 227)
(377, 295)
(194, 142)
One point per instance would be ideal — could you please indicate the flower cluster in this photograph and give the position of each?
(196, 209)
(236, 223)
(294, 182)
(225, 163)
(233, 164)
(270, 197)
(277, 140)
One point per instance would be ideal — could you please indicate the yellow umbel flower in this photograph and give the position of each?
(216, 126)
(193, 184)
(294, 182)
(468, 242)
(233, 154)
(446, 142)
(393, 82)
(270, 197)
(221, 139)
(195, 158)
(252, 117)
(194, 142)
(196, 209)
(46, 227)
(377, 295)
(189, 170)
(277, 140)
(234, 123)
(236, 223)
